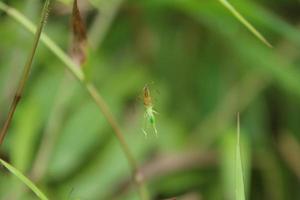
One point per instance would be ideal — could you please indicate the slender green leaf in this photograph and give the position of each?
(239, 176)
(251, 28)
(25, 180)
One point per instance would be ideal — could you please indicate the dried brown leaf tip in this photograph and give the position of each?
(79, 42)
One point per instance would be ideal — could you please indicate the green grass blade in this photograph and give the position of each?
(25, 180)
(239, 175)
(247, 24)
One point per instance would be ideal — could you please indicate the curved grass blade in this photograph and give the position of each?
(239, 176)
(247, 24)
(25, 180)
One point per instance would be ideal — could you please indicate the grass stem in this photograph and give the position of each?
(26, 70)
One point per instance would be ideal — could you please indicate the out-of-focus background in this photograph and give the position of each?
(202, 66)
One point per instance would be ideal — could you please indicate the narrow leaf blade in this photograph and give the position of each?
(239, 176)
(247, 24)
(24, 179)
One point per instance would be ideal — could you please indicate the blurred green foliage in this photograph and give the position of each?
(203, 67)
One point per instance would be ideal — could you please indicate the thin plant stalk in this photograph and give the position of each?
(26, 72)
(91, 89)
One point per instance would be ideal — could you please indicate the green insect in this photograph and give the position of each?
(149, 111)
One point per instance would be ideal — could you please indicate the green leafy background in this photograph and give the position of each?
(203, 66)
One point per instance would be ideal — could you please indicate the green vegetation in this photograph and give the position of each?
(74, 137)
(239, 172)
(227, 5)
(24, 180)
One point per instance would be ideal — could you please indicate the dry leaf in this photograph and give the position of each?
(79, 42)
